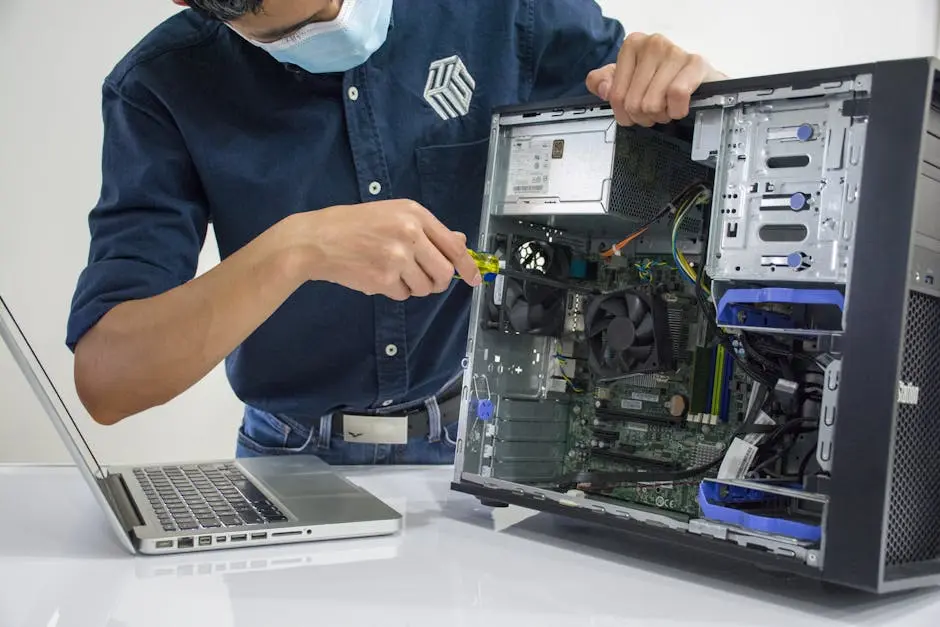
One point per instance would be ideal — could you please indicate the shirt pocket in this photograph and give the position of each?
(452, 178)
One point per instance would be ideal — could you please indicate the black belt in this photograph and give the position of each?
(418, 419)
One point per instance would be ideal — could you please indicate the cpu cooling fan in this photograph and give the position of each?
(627, 333)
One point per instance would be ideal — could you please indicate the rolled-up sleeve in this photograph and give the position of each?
(150, 221)
(570, 39)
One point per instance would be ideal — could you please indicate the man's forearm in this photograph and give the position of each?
(144, 353)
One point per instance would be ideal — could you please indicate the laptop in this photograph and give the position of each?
(209, 505)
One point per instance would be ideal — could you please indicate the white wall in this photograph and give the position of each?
(49, 171)
(49, 179)
(752, 38)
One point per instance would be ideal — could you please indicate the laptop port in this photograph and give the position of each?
(205, 540)
(220, 539)
(164, 544)
(259, 536)
(284, 534)
(239, 538)
(185, 543)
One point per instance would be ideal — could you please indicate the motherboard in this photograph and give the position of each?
(626, 377)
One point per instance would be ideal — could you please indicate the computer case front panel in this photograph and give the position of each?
(883, 526)
(819, 228)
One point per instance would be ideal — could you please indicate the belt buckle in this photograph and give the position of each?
(360, 429)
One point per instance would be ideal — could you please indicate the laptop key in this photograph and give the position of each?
(230, 521)
(255, 496)
(251, 518)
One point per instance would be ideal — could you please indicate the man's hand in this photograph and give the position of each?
(396, 248)
(652, 81)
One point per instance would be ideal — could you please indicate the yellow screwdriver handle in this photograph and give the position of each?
(487, 264)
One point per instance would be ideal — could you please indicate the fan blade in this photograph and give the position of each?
(644, 332)
(636, 306)
(512, 295)
(536, 315)
(519, 317)
(614, 307)
(599, 327)
(639, 354)
(622, 364)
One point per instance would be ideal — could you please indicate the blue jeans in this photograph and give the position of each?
(263, 434)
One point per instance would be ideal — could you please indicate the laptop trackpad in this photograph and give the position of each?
(314, 484)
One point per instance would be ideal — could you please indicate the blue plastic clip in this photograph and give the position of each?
(484, 405)
(709, 498)
(726, 305)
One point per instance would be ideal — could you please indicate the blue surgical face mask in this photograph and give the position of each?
(340, 44)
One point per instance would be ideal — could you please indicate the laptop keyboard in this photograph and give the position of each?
(208, 496)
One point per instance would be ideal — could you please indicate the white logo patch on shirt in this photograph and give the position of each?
(450, 87)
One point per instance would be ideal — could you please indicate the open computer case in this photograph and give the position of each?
(722, 332)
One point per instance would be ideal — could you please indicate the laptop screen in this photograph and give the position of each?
(46, 392)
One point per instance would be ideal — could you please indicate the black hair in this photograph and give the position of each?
(226, 10)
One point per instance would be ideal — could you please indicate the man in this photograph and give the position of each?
(338, 148)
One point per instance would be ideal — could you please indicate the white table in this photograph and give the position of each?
(455, 564)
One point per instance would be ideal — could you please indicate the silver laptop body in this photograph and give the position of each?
(209, 505)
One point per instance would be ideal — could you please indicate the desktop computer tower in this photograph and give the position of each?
(721, 333)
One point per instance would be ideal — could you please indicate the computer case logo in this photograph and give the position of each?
(908, 393)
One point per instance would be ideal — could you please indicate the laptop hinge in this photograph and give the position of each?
(116, 489)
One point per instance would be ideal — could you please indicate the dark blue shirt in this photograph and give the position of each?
(201, 125)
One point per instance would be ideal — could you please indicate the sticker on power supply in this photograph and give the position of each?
(530, 164)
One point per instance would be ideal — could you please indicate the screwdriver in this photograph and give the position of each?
(489, 265)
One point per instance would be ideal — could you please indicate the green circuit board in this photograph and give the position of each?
(662, 422)
(658, 423)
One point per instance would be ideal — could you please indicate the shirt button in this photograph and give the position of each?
(391, 350)
(386, 403)
(375, 188)
(353, 93)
